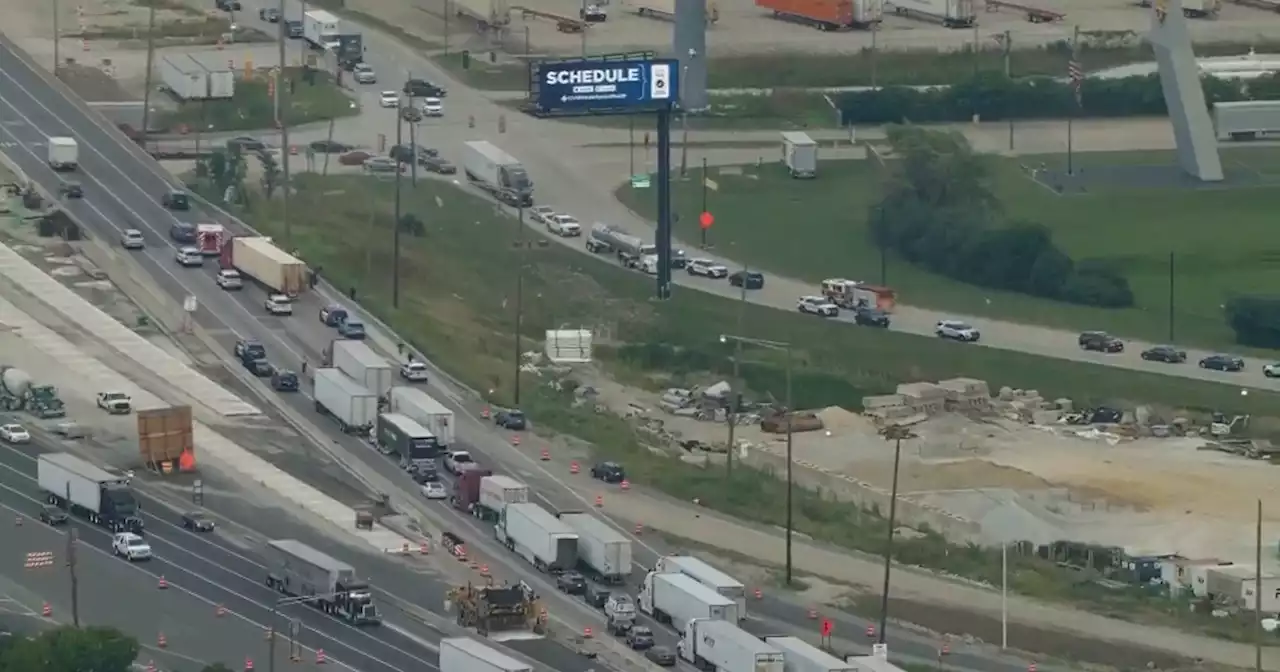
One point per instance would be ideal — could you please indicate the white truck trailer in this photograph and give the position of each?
(426, 411)
(666, 9)
(496, 494)
(64, 153)
(602, 551)
(677, 599)
(95, 494)
(321, 29)
(497, 172)
(463, 654)
(361, 364)
(298, 570)
(708, 576)
(801, 656)
(220, 74)
(539, 537)
(951, 13)
(799, 154)
(260, 260)
(183, 77)
(1247, 120)
(723, 646)
(345, 400)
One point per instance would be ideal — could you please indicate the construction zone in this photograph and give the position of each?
(501, 613)
(18, 392)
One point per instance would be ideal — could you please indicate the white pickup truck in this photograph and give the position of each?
(116, 403)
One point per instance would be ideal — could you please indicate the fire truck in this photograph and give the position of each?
(852, 294)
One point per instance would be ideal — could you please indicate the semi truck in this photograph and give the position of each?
(64, 153)
(677, 599)
(539, 537)
(463, 654)
(708, 576)
(604, 239)
(718, 645)
(801, 656)
(345, 400)
(350, 50)
(799, 154)
(497, 172)
(298, 570)
(426, 411)
(398, 435)
(603, 552)
(258, 259)
(827, 14)
(360, 363)
(321, 30)
(1246, 120)
(497, 493)
(666, 9)
(466, 490)
(95, 494)
(951, 13)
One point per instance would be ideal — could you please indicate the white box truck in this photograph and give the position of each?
(259, 259)
(183, 77)
(801, 656)
(666, 9)
(677, 599)
(951, 13)
(426, 411)
(321, 29)
(539, 537)
(497, 493)
(708, 576)
(64, 153)
(361, 364)
(720, 645)
(463, 654)
(220, 75)
(95, 494)
(602, 551)
(799, 154)
(345, 400)
(497, 172)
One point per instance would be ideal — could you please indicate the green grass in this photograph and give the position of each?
(778, 111)
(252, 107)
(1137, 227)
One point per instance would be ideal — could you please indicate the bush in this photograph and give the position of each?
(1256, 320)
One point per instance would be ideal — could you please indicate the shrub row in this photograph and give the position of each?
(1255, 320)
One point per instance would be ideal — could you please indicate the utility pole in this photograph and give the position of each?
(57, 47)
(395, 225)
(1257, 594)
(413, 165)
(281, 112)
(151, 55)
(521, 246)
(875, 29)
(1008, 74)
(325, 171)
(1004, 596)
(75, 579)
(895, 433)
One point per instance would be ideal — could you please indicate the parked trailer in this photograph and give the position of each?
(951, 13)
(719, 645)
(708, 576)
(1247, 120)
(799, 154)
(827, 14)
(258, 258)
(354, 407)
(220, 74)
(539, 537)
(677, 599)
(463, 654)
(666, 9)
(801, 656)
(298, 570)
(361, 364)
(184, 77)
(95, 494)
(413, 444)
(497, 493)
(603, 551)
(426, 411)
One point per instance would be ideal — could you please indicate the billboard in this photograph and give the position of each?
(623, 86)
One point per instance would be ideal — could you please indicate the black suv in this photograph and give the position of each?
(1100, 341)
(284, 381)
(421, 88)
(572, 583)
(595, 596)
(609, 472)
(52, 515)
(176, 200)
(197, 522)
(750, 279)
(512, 419)
(640, 638)
(871, 317)
(249, 349)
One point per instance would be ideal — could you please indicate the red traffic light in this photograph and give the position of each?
(706, 219)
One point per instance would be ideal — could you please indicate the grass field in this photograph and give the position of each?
(779, 111)
(1221, 240)
(252, 106)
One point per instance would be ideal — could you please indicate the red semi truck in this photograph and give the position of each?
(466, 490)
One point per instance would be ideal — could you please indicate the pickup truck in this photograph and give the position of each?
(115, 403)
(455, 460)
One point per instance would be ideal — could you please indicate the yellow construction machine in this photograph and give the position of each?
(492, 610)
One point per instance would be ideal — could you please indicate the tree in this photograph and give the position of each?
(70, 649)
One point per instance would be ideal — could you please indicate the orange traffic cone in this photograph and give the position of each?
(248, 664)
(586, 633)
(625, 484)
(46, 610)
(422, 548)
(320, 659)
(759, 594)
(871, 631)
(573, 467)
(162, 641)
(484, 412)
(484, 570)
(162, 584)
(151, 666)
(639, 529)
(515, 439)
(599, 500)
(545, 456)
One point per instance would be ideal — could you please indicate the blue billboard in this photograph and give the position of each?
(632, 85)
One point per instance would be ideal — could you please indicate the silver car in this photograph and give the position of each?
(381, 164)
(132, 239)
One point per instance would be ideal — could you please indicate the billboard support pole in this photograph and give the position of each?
(663, 241)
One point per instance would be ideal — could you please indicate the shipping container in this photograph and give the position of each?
(426, 411)
(1247, 120)
(185, 78)
(1224, 582)
(258, 258)
(719, 645)
(801, 656)
(539, 537)
(666, 9)
(361, 364)
(951, 13)
(497, 492)
(466, 489)
(799, 154)
(164, 434)
(463, 654)
(603, 551)
(102, 497)
(336, 395)
(1270, 595)
(1199, 574)
(412, 443)
(677, 599)
(709, 576)
(298, 570)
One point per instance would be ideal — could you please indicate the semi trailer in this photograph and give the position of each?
(85, 490)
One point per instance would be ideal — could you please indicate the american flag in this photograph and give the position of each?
(1076, 74)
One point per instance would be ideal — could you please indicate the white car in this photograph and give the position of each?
(542, 213)
(817, 305)
(706, 268)
(189, 256)
(454, 459)
(432, 107)
(957, 331)
(14, 434)
(130, 546)
(564, 225)
(389, 99)
(364, 74)
(415, 372)
(1271, 370)
(132, 239)
(278, 304)
(229, 279)
(434, 490)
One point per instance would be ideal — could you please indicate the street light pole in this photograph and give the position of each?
(790, 488)
(895, 433)
(395, 225)
(520, 248)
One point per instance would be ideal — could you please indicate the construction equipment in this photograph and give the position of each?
(1220, 426)
(17, 392)
(43, 402)
(493, 610)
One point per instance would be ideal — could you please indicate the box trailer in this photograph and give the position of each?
(298, 570)
(361, 364)
(1247, 120)
(676, 599)
(184, 77)
(666, 9)
(799, 154)
(827, 15)
(463, 654)
(426, 411)
(539, 537)
(719, 645)
(497, 493)
(345, 400)
(259, 259)
(801, 656)
(97, 495)
(708, 576)
(398, 435)
(321, 29)
(951, 13)
(603, 552)
(220, 75)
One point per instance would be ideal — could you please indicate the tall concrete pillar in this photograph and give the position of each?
(1183, 95)
(689, 42)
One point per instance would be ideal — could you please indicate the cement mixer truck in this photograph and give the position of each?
(18, 392)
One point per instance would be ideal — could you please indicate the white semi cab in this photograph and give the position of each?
(101, 497)
(604, 551)
(723, 646)
(64, 153)
(801, 656)
(320, 29)
(463, 654)
(497, 493)
(426, 411)
(700, 571)
(347, 401)
(799, 154)
(363, 365)
(678, 599)
(539, 537)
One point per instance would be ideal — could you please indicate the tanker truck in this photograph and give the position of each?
(18, 392)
